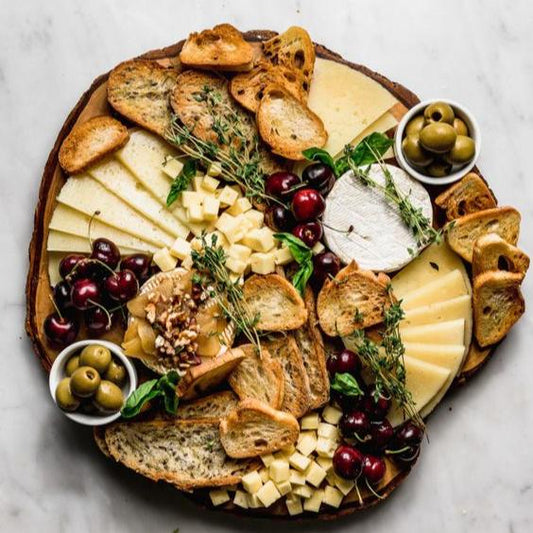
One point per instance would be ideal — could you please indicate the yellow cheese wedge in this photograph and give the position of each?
(346, 100)
(118, 180)
(441, 289)
(64, 242)
(453, 309)
(54, 258)
(450, 332)
(448, 356)
(67, 220)
(86, 195)
(381, 125)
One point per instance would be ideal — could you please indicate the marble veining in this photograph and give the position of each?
(476, 473)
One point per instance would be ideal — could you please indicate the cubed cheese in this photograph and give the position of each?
(241, 205)
(332, 496)
(195, 213)
(189, 198)
(318, 248)
(284, 487)
(328, 431)
(304, 491)
(210, 208)
(171, 166)
(294, 505)
(315, 501)
(187, 263)
(344, 485)
(164, 260)
(299, 461)
(310, 421)
(181, 248)
(268, 494)
(315, 474)
(228, 196)
(241, 499)
(240, 252)
(297, 478)
(306, 442)
(210, 184)
(331, 477)
(255, 217)
(283, 256)
(214, 169)
(331, 414)
(229, 226)
(326, 463)
(288, 450)
(219, 496)
(267, 459)
(260, 240)
(325, 447)
(254, 502)
(197, 182)
(262, 263)
(236, 265)
(252, 482)
(279, 470)
(263, 473)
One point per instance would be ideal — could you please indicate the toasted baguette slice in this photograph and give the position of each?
(295, 50)
(139, 90)
(468, 195)
(465, 231)
(249, 88)
(296, 398)
(186, 453)
(254, 428)
(275, 301)
(287, 125)
(208, 375)
(311, 346)
(491, 252)
(498, 303)
(90, 142)
(212, 407)
(353, 300)
(222, 48)
(99, 438)
(258, 376)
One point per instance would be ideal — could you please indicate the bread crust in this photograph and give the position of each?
(490, 250)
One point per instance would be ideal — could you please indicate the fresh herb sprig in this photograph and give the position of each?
(303, 255)
(182, 181)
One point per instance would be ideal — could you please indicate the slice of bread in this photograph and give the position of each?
(353, 300)
(139, 90)
(296, 398)
(498, 303)
(293, 49)
(211, 407)
(275, 302)
(254, 428)
(287, 125)
(222, 48)
(468, 195)
(99, 438)
(208, 375)
(249, 88)
(491, 252)
(258, 376)
(311, 346)
(186, 453)
(90, 142)
(463, 232)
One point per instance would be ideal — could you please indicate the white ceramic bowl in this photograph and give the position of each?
(57, 373)
(457, 171)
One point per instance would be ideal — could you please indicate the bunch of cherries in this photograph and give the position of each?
(95, 288)
(300, 202)
(368, 435)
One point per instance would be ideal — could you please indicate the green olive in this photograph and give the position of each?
(415, 125)
(460, 126)
(96, 356)
(414, 152)
(87, 407)
(438, 137)
(462, 152)
(115, 373)
(108, 397)
(64, 397)
(439, 112)
(72, 364)
(84, 381)
(438, 169)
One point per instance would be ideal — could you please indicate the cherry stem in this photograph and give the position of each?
(95, 214)
(104, 265)
(55, 306)
(401, 450)
(358, 494)
(108, 314)
(347, 232)
(371, 489)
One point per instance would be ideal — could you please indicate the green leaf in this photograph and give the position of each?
(302, 254)
(318, 154)
(182, 181)
(300, 279)
(370, 149)
(346, 384)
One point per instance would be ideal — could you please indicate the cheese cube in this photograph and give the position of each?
(197, 182)
(228, 196)
(220, 239)
(187, 263)
(195, 213)
(294, 505)
(210, 208)
(241, 205)
(240, 252)
(164, 260)
(229, 226)
(267, 459)
(262, 263)
(297, 478)
(332, 496)
(344, 485)
(254, 502)
(260, 240)
(236, 265)
(315, 501)
(218, 497)
(209, 183)
(268, 494)
(326, 463)
(331, 414)
(283, 256)
(318, 248)
(299, 461)
(189, 198)
(287, 451)
(306, 442)
(252, 482)
(325, 447)
(331, 478)
(255, 217)
(241, 499)
(279, 470)
(284, 487)
(310, 421)
(304, 491)
(315, 474)
(265, 476)
(171, 166)
(236, 278)
(328, 431)
(181, 248)
(214, 169)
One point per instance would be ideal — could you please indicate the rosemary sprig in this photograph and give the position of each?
(214, 277)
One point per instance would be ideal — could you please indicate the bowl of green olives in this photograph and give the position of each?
(437, 142)
(90, 381)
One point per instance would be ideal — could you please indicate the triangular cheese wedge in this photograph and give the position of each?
(450, 332)
(448, 356)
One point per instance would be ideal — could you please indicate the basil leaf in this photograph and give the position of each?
(142, 394)
(318, 154)
(370, 149)
(302, 254)
(182, 181)
(346, 384)
(300, 279)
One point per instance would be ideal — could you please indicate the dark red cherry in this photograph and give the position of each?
(60, 330)
(408, 455)
(325, 266)
(373, 469)
(320, 177)
(122, 286)
(282, 185)
(139, 264)
(84, 294)
(279, 218)
(381, 433)
(307, 204)
(345, 361)
(310, 232)
(409, 435)
(62, 295)
(97, 321)
(107, 252)
(69, 263)
(355, 425)
(348, 462)
(376, 406)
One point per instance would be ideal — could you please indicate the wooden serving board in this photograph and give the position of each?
(38, 304)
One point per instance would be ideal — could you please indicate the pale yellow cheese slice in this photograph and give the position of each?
(120, 181)
(450, 332)
(54, 258)
(347, 101)
(64, 242)
(381, 125)
(448, 356)
(67, 220)
(439, 312)
(86, 195)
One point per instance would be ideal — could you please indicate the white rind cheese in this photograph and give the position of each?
(379, 239)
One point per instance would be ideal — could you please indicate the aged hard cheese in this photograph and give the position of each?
(381, 125)
(360, 224)
(346, 100)
(448, 356)
(64, 242)
(450, 332)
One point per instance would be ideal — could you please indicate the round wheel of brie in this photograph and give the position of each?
(361, 225)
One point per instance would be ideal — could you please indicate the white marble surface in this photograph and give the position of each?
(476, 475)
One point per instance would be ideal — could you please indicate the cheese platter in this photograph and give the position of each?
(296, 257)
